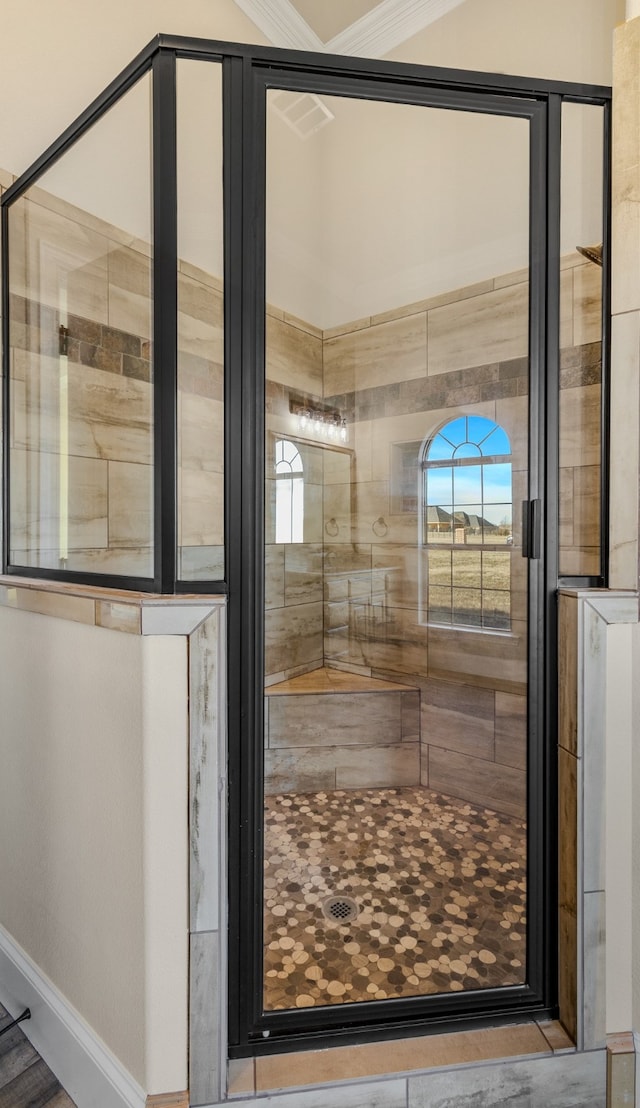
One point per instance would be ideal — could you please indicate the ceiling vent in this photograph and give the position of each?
(304, 112)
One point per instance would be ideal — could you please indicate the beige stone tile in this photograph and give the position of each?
(306, 667)
(579, 561)
(337, 523)
(625, 291)
(200, 432)
(557, 1037)
(586, 506)
(44, 246)
(201, 563)
(491, 660)
(455, 730)
(501, 788)
(476, 703)
(580, 426)
(36, 507)
(204, 340)
(201, 275)
(78, 609)
(621, 1078)
(400, 563)
(199, 300)
(346, 328)
(567, 971)
(512, 413)
(336, 719)
(118, 617)
(313, 526)
(274, 576)
(293, 636)
(568, 830)
(299, 770)
(136, 562)
(378, 766)
(303, 563)
(566, 309)
(568, 673)
(370, 503)
(329, 680)
(565, 513)
(625, 402)
(381, 355)
(130, 504)
(241, 1076)
(587, 293)
(109, 416)
(130, 306)
(451, 297)
(511, 730)
(488, 328)
(516, 277)
(338, 464)
(303, 325)
(293, 357)
(398, 1056)
(200, 508)
(398, 654)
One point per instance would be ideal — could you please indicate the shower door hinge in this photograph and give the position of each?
(531, 519)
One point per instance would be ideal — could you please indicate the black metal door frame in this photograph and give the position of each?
(253, 1031)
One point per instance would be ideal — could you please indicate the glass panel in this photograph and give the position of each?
(80, 269)
(200, 323)
(497, 483)
(440, 486)
(389, 630)
(467, 607)
(439, 566)
(466, 569)
(467, 485)
(581, 339)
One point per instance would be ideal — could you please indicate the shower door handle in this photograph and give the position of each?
(531, 517)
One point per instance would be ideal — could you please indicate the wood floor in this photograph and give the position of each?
(25, 1080)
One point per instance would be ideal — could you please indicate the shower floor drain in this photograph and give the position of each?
(340, 909)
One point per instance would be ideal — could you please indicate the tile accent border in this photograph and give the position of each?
(593, 690)
(132, 612)
(168, 1100)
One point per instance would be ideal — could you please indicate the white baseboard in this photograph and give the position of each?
(84, 1066)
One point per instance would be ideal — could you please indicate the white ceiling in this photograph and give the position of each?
(344, 26)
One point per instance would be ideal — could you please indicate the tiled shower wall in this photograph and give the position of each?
(107, 390)
(348, 595)
(398, 377)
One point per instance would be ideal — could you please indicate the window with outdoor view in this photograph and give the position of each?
(467, 525)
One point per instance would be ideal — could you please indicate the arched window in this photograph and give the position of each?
(467, 525)
(289, 492)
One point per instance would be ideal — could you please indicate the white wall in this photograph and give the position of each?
(93, 841)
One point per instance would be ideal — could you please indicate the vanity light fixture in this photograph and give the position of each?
(329, 425)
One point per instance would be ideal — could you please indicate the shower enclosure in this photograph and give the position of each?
(329, 346)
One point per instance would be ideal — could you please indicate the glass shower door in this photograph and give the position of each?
(396, 595)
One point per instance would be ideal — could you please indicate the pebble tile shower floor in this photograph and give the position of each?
(439, 885)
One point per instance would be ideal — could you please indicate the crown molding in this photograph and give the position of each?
(387, 25)
(374, 35)
(282, 24)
